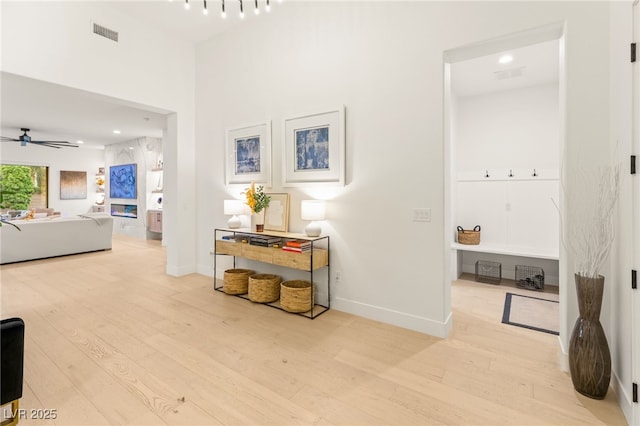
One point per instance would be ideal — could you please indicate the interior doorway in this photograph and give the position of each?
(504, 115)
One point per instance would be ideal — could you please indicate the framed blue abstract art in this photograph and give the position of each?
(122, 181)
(314, 148)
(248, 154)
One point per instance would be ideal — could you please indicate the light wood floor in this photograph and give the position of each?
(110, 339)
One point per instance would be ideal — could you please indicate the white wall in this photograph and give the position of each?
(69, 159)
(311, 55)
(513, 129)
(509, 132)
(147, 68)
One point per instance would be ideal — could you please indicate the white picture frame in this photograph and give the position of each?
(314, 148)
(276, 216)
(248, 154)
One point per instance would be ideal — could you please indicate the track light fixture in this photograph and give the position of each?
(223, 5)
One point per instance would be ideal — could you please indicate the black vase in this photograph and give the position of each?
(589, 356)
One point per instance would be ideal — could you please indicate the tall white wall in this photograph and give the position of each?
(69, 159)
(514, 129)
(384, 63)
(147, 68)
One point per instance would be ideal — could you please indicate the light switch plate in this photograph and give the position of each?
(422, 215)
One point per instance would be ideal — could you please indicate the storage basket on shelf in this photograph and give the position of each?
(470, 237)
(530, 277)
(236, 281)
(488, 272)
(264, 288)
(295, 296)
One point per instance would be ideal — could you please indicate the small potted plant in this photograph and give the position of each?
(257, 200)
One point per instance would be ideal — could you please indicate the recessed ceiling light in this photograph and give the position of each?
(130, 147)
(505, 59)
(80, 142)
(117, 132)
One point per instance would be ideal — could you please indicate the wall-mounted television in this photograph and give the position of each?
(122, 181)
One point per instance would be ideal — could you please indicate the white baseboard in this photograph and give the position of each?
(563, 357)
(179, 271)
(623, 397)
(401, 319)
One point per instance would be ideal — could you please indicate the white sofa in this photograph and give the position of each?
(55, 236)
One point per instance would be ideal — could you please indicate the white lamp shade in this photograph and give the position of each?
(312, 210)
(233, 207)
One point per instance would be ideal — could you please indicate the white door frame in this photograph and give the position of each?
(635, 188)
(550, 32)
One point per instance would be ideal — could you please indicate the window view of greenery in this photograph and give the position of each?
(23, 187)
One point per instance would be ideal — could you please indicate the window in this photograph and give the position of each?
(23, 186)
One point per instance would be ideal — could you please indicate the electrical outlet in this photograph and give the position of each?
(422, 215)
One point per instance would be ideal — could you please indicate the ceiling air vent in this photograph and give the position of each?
(511, 73)
(105, 32)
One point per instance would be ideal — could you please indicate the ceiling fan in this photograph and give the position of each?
(24, 139)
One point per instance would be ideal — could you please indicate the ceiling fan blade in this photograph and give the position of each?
(59, 143)
(43, 143)
(8, 139)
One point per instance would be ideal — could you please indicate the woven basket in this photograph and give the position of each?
(295, 296)
(469, 237)
(264, 288)
(236, 281)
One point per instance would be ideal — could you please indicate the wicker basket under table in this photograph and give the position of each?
(236, 281)
(295, 296)
(264, 288)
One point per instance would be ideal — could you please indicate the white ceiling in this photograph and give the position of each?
(55, 112)
(192, 25)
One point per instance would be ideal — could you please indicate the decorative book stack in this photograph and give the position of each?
(265, 241)
(239, 238)
(297, 246)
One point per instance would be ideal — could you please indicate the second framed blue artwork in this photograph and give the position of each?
(123, 182)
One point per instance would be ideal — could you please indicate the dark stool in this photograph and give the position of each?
(12, 360)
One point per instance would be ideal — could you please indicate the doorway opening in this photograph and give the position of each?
(504, 121)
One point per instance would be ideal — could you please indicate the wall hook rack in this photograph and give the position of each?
(510, 173)
(486, 173)
(534, 173)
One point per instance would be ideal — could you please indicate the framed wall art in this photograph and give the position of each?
(123, 182)
(73, 185)
(314, 148)
(276, 216)
(248, 154)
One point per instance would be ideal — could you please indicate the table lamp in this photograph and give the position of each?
(312, 210)
(233, 208)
